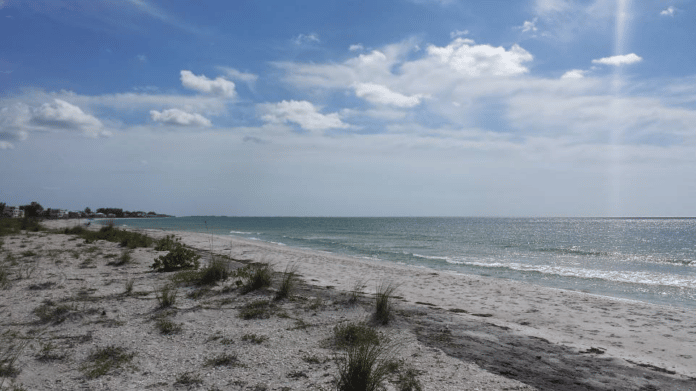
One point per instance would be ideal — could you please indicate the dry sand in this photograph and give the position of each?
(461, 332)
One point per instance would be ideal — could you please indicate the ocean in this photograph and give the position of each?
(645, 259)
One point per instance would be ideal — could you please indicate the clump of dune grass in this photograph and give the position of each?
(103, 360)
(166, 296)
(129, 286)
(357, 290)
(383, 302)
(4, 277)
(167, 327)
(259, 309)
(255, 276)
(217, 270)
(287, 282)
(364, 367)
(349, 334)
(124, 259)
(188, 379)
(223, 360)
(254, 338)
(51, 312)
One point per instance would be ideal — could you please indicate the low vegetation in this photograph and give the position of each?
(166, 296)
(109, 233)
(287, 282)
(364, 367)
(350, 334)
(383, 302)
(255, 276)
(177, 259)
(104, 360)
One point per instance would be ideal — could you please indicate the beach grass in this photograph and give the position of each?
(383, 302)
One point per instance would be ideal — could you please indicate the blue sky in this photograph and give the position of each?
(339, 108)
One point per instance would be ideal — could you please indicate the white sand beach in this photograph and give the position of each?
(652, 346)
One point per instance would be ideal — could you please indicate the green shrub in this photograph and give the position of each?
(383, 302)
(177, 259)
(128, 239)
(167, 243)
(188, 379)
(287, 282)
(102, 360)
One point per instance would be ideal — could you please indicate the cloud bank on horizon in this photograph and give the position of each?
(528, 109)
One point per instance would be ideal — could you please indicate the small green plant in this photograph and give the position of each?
(127, 239)
(363, 367)
(216, 271)
(357, 290)
(346, 335)
(254, 338)
(188, 379)
(4, 277)
(167, 296)
(383, 302)
(408, 380)
(223, 360)
(129, 286)
(48, 352)
(27, 253)
(259, 309)
(51, 312)
(103, 360)
(124, 259)
(167, 327)
(177, 259)
(287, 282)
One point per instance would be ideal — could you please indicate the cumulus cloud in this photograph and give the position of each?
(219, 87)
(302, 113)
(356, 48)
(669, 11)
(574, 74)
(624, 59)
(381, 95)
(63, 115)
(179, 118)
(467, 58)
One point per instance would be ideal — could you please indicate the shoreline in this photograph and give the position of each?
(632, 334)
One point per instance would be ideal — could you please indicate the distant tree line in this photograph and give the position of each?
(35, 210)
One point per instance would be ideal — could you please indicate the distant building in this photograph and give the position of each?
(14, 212)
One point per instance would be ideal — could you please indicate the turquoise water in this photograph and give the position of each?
(651, 260)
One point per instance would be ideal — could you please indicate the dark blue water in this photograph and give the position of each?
(651, 260)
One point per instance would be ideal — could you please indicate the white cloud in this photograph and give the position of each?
(302, 113)
(6, 145)
(469, 59)
(237, 75)
(574, 74)
(306, 39)
(529, 25)
(619, 60)
(356, 48)
(63, 115)
(218, 87)
(179, 118)
(381, 95)
(566, 19)
(669, 11)
(458, 33)
(141, 58)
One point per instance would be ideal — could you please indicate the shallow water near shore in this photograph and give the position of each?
(651, 260)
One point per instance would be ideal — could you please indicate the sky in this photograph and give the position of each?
(346, 108)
